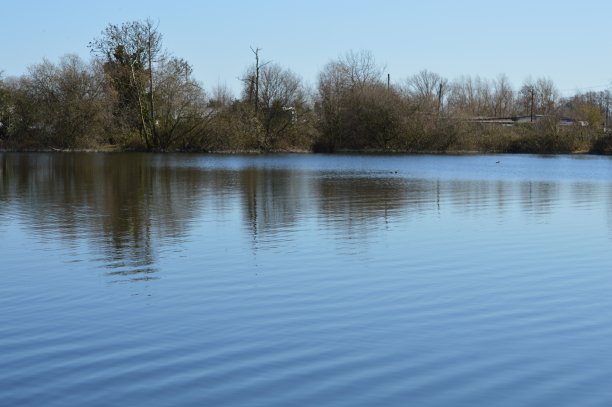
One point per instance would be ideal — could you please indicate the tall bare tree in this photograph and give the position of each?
(357, 109)
(427, 90)
(472, 96)
(539, 97)
(179, 103)
(503, 97)
(63, 105)
(282, 100)
(131, 52)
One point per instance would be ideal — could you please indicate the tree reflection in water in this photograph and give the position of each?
(127, 207)
(122, 204)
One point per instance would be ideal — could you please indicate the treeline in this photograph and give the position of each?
(134, 95)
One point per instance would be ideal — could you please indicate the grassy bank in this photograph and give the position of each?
(457, 139)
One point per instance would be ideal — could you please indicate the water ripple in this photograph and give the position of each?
(305, 280)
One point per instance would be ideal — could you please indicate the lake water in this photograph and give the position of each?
(305, 280)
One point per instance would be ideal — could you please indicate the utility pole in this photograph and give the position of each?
(532, 100)
(388, 81)
(439, 98)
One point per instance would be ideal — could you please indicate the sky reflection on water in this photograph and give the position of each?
(346, 280)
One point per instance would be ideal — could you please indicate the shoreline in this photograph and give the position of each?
(381, 152)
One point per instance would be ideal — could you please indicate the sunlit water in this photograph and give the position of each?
(305, 280)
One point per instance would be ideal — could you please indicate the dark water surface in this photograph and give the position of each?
(305, 280)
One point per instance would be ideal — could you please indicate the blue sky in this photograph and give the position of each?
(566, 41)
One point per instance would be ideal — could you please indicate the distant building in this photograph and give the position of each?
(510, 121)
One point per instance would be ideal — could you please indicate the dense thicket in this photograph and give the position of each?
(133, 94)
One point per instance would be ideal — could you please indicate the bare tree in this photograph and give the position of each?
(256, 78)
(356, 108)
(360, 68)
(221, 96)
(547, 95)
(539, 97)
(282, 98)
(131, 52)
(427, 90)
(62, 106)
(503, 97)
(589, 108)
(180, 103)
(472, 96)
(252, 80)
